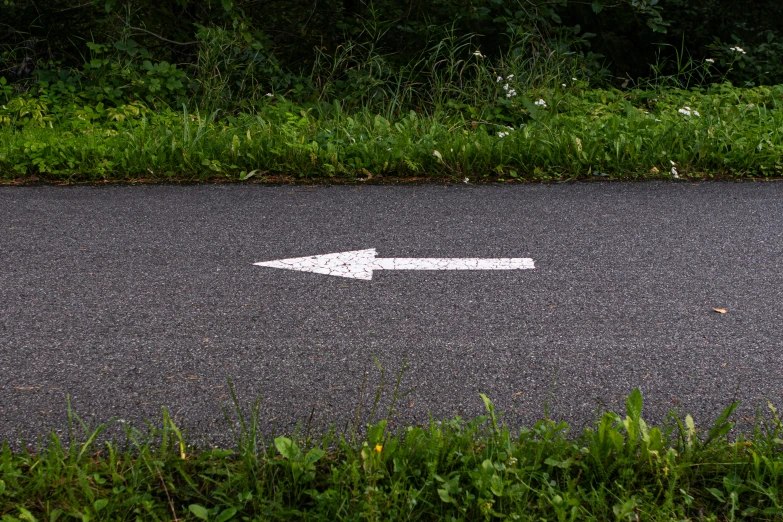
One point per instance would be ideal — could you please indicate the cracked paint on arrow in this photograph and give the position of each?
(359, 264)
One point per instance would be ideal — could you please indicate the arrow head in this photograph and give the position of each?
(356, 264)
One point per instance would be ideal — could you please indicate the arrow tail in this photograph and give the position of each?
(468, 263)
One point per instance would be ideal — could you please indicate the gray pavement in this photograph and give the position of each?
(129, 298)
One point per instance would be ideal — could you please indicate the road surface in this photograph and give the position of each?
(129, 298)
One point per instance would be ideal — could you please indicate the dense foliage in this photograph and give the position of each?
(621, 469)
(228, 53)
(560, 133)
(354, 89)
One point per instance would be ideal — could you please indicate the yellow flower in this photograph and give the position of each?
(378, 448)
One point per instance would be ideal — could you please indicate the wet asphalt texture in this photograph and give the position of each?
(130, 298)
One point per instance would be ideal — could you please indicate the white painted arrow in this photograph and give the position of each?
(359, 264)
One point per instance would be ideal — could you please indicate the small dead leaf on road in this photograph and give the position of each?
(720, 310)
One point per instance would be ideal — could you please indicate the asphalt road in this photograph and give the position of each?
(129, 298)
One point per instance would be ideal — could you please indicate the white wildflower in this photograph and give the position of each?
(573, 79)
(511, 93)
(269, 94)
(502, 134)
(688, 111)
(738, 50)
(563, 84)
(509, 127)
(709, 60)
(540, 103)
(478, 53)
(509, 76)
(500, 79)
(466, 180)
(674, 170)
(505, 87)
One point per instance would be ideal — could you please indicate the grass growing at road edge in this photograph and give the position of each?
(554, 134)
(620, 469)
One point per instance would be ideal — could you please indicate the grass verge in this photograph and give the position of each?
(552, 134)
(621, 469)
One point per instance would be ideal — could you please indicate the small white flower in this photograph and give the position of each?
(509, 127)
(709, 60)
(478, 53)
(511, 93)
(688, 111)
(573, 79)
(540, 102)
(509, 76)
(466, 180)
(505, 87)
(500, 79)
(502, 134)
(563, 84)
(269, 94)
(674, 170)
(738, 49)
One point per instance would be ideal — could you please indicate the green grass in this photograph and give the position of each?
(620, 469)
(580, 133)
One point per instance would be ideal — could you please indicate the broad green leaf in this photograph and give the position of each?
(496, 485)
(717, 494)
(633, 405)
(226, 514)
(597, 7)
(26, 515)
(313, 456)
(287, 448)
(199, 511)
(564, 464)
(445, 497)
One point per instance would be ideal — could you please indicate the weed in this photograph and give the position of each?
(620, 469)
(555, 134)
